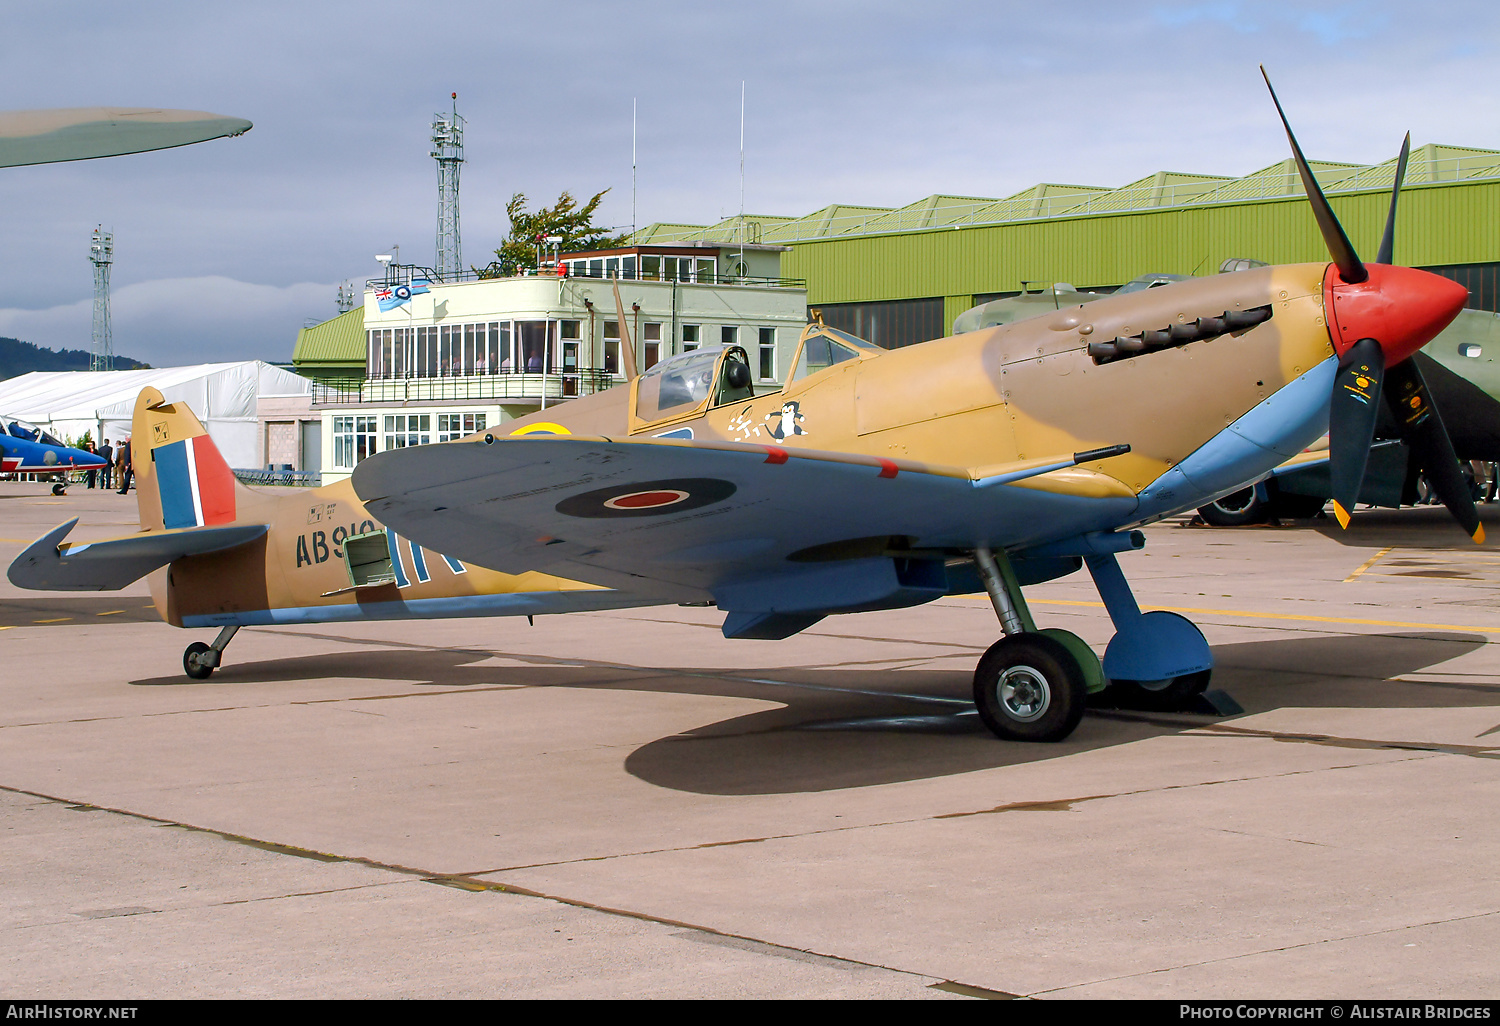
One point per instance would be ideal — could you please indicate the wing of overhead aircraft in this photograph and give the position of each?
(81, 133)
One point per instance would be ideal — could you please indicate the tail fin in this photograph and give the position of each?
(181, 479)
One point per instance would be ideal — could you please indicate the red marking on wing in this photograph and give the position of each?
(775, 455)
(887, 468)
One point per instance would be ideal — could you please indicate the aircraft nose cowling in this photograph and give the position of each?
(1402, 308)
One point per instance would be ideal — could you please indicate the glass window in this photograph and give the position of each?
(650, 344)
(353, 440)
(532, 339)
(612, 347)
(612, 267)
(690, 340)
(446, 347)
(452, 426)
(403, 429)
(492, 348)
(627, 267)
(507, 356)
(819, 353)
(650, 268)
(706, 271)
(596, 268)
(677, 385)
(768, 354)
(853, 340)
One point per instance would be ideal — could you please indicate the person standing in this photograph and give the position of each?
(126, 470)
(93, 471)
(107, 472)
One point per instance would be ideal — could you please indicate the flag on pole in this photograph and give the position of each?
(400, 295)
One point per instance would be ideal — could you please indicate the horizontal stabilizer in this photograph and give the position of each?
(48, 564)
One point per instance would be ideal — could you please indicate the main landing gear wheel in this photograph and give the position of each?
(199, 661)
(1238, 509)
(1029, 688)
(59, 489)
(1170, 695)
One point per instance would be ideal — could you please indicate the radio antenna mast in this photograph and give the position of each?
(448, 151)
(102, 255)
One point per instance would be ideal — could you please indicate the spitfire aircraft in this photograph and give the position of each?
(874, 479)
(27, 449)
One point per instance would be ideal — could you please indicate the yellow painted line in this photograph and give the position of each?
(1264, 616)
(18, 541)
(112, 612)
(1368, 563)
(60, 619)
(7, 627)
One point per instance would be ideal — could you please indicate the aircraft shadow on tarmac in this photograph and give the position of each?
(856, 726)
(1420, 527)
(48, 609)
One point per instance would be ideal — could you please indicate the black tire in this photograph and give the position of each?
(1172, 695)
(1299, 507)
(59, 489)
(1029, 688)
(193, 663)
(1238, 509)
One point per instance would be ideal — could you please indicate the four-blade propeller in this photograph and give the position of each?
(1378, 315)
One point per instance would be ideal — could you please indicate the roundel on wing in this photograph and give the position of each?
(647, 498)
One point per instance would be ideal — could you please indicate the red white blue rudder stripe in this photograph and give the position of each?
(196, 485)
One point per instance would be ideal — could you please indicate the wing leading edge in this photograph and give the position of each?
(743, 525)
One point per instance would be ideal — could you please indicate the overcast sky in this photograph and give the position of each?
(224, 249)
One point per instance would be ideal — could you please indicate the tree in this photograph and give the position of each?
(564, 218)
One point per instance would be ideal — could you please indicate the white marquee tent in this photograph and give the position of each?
(222, 395)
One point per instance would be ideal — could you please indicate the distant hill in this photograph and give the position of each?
(17, 357)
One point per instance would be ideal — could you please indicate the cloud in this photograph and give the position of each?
(176, 321)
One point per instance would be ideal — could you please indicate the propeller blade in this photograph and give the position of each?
(1388, 240)
(1421, 427)
(1351, 268)
(1351, 422)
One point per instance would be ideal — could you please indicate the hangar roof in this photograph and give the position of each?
(1429, 164)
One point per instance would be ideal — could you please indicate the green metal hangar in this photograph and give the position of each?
(900, 276)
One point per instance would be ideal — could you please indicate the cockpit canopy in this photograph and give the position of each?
(824, 347)
(27, 431)
(682, 384)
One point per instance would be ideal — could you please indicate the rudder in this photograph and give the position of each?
(181, 478)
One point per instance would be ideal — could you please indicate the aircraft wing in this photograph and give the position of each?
(49, 564)
(695, 520)
(79, 133)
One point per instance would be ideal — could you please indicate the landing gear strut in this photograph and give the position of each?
(1157, 660)
(200, 660)
(1030, 685)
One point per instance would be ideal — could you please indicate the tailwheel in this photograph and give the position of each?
(1171, 694)
(199, 661)
(1029, 688)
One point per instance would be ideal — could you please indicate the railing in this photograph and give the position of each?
(401, 274)
(714, 278)
(477, 387)
(285, 477)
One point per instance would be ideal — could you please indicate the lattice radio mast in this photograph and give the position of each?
(102, 255)
(448, 151)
